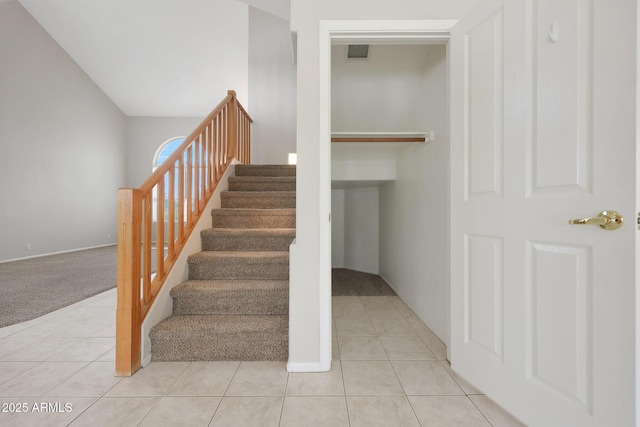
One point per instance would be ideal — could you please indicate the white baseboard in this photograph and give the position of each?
(307, 367)
(57, 253)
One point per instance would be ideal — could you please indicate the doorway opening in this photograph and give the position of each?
(400, 216)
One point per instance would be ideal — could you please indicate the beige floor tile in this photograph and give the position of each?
(326, 411)
(436, 346)
(39, 328)
(171, 411)
(465, 385)
(406, 348)
(370, 378)
(351, 309)
(93, 380)
(248, 411)
(354, 327)
(346, 301)
(259, 379)
(393, 327)
(382, 411)
(205, 379)
(108, 331)
(18, 327)
(317, 383)
(379, 302)
(12, 344)
(116, 411)
(153, 380)
(40, 379)
(9, 370)
(404, 309)
(109, 356)
(87, 350)
(425, 377)
(496, 415)
(384, 314)
(42, 349)
(335, 349)
(51, 412)
(450, 411)
(361, 348)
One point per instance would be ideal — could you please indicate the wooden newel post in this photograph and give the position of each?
(232, 128)
(128, 311)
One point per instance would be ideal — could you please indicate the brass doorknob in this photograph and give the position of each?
(609, 220)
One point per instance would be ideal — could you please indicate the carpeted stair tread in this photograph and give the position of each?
(221, 337)
(258, 199)
(253, 218)
(235, 304)
(262, 183)
(231, 297)
(247, 239)
(209, 265)
(265, 170)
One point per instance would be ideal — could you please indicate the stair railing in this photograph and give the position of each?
(166, 209)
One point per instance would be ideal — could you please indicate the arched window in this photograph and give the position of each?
(162, 153)
(165, 150)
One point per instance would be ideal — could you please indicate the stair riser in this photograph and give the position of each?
(221, 348)
(235, 243)
(238, 270)
(262, 186)
(249, 221)
(258, 170)
(234, 200)
(261, 303)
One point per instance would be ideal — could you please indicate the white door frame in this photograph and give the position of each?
(349, 32)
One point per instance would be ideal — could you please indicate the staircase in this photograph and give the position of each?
(235, 304)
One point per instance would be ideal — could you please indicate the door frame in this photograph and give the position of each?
(349, 32)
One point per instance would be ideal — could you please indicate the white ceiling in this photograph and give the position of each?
(158, 58)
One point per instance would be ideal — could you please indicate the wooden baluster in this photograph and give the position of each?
(211, 162)
(160, 230)
(196, 176)
(128, 309)
(189, 187)
(232, 126)
(171, 214)
(146, 250)
(181, 216)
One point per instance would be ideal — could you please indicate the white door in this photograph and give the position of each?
(543, 131)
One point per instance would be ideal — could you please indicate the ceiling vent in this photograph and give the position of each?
(358, 51)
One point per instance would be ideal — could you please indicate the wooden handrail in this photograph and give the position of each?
(185, 181)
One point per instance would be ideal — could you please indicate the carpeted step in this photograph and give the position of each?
(265, 170)
(231, 297)
(247, 239)
(239, 265)
(262, 183)
(254, 218)
(221, 337)
(258, 199)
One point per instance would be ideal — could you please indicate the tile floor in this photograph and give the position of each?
(389, 369)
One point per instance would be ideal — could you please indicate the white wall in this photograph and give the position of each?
(337, 228)
(272, 89)
(361, 229)
(144, 137)
(414, 210)
(377, 94)
(354, 228)
(62, 144)
(310, 322)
